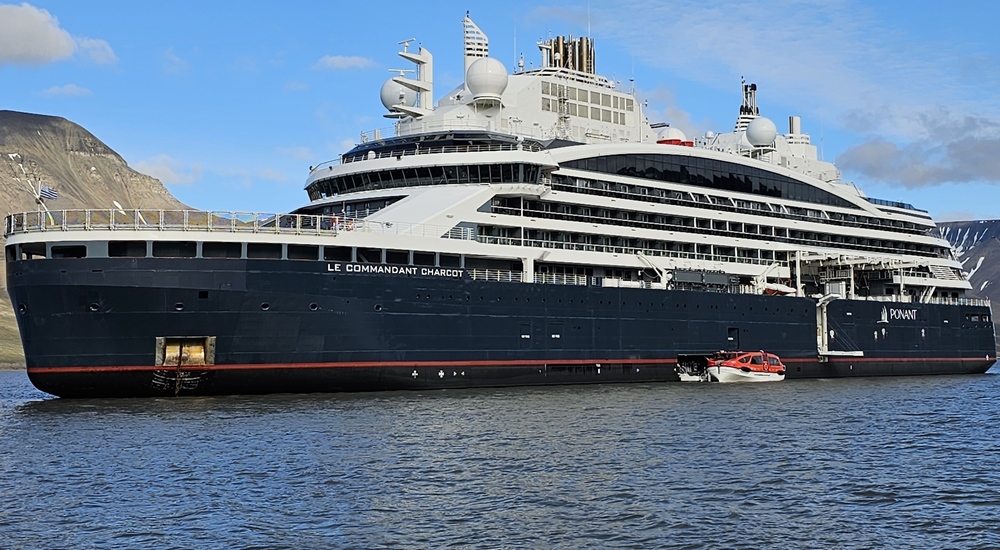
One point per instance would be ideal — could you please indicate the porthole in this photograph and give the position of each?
(378, 307)
(264, 306)
(313, 306)
(178, 306)
(21, 308)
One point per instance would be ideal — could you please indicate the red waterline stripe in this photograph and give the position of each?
(349, 364)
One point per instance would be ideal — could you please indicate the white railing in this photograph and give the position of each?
(494, 147)
(221, 222)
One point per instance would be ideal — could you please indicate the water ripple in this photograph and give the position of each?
(902, 463)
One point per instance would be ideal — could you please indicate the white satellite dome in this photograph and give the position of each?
(486, 78)
(394, 93)
(671, 133)
(761, 131)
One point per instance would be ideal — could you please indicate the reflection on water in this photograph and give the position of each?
(900, 462)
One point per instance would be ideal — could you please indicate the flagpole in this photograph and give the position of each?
(37, 193)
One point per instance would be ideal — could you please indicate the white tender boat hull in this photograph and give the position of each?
(730, 374)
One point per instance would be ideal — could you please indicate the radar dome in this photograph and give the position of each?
(761, 131)
(486, 78)
(394, 93)
(671, 134)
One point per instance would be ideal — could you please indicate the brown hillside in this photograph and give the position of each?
(85, 172)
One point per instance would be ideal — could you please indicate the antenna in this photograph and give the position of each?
(406, 43)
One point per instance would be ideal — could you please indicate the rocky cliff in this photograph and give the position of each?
(977, 244)
(84, 171)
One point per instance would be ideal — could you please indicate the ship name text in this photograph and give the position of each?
(394, 270)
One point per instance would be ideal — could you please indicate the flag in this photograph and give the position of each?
(47, 194)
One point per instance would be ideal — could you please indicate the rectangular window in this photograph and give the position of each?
(127, 249)
(337, 253)
(605, 115)
(423, 258)
(174, 249)
(397, 257)
(546, 104)
(303, 252)
(221, 250)
(70, 251)
(628, 104)
(261, 251)
(595, 98)
(606, 100)
(545, 88)
(572, 109)
(370, 255)
(571, 93)
(595, 113)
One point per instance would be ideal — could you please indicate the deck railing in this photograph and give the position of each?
(222, 222)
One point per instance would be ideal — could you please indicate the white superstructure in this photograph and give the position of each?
(555, 171)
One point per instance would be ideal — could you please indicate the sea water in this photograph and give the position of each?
(862, 463)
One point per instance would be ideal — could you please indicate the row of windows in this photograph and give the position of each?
(234, 250)
(710, 173)
(570, 93)
(595, 113)
(515, 206)
(425, 175)
(713, 202)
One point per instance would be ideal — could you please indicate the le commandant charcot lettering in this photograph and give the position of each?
(394, 270)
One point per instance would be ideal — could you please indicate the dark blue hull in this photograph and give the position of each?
(90, 327)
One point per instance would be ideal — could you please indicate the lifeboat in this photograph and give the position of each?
(743, 366)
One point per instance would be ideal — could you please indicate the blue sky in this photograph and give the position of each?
(229, 103)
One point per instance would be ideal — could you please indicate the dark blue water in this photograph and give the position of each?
(866, 463)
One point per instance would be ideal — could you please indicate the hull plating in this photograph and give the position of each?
(90, 326)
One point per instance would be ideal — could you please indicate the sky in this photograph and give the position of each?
(230, 103)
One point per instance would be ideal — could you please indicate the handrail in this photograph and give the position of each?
(418, 150)
(217, 222)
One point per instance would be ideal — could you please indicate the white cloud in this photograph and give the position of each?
(343, 62)
(169, 171)
(67, 90)
(840, 63)
(97, 51)
(172, 64)
(33, 36)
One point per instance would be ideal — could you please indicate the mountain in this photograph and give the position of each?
(84, 171)
(977, 245)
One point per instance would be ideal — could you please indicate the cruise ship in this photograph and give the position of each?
(531, 227)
